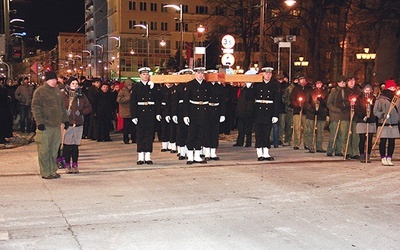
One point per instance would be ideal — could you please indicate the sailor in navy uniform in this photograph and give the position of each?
(266, 97)
(197, 98)
(145, 110)
(216, 111)
(177, 111)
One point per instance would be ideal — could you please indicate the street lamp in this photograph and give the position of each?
(180, 9)
(301, 62)
(118, 38)
(202, 50)
(88, 60)
(146, 27)
(263, 8)
(366, 57)
(99, 61)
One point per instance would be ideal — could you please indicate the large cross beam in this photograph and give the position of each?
(214, 77)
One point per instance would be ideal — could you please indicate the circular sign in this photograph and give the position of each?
(228, 42)
(228, 59)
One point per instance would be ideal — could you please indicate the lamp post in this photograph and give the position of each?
(146, 27)
(301, 63)
(118, 38)
(180, 9)
(88, 60)
(201, 30)
(263, 8)
(366, 57)
(100, 61)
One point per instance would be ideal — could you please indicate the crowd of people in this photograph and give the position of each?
(189, 117)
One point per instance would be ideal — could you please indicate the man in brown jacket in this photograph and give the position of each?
(49, 112)
(124, 100)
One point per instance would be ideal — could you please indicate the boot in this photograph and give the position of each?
(362, 158)
(197, 157)
(60, 162)
(164, 146)
(266, 155)
(147, 158)
(140, 158)
(389, 161)
(190, 157)
(68, 169)
(75, 168)
(260, 154)
(213, 154)
(207, 153)
(384, 161)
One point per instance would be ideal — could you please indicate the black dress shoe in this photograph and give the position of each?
(339, 154)
(48, 177)
(329, 154)
(237, 145)
(55, 176)
(296, 148)
(140, 162)
(181, 157)
(321, 151)
(149, 162)
(311, 151)
(260, 158)
(126, 142)
(164, 150)
(189, 162)
(174, 151)
(214, 158)
(207, 158)
(248, 145)
(269, 158)
(355, 157)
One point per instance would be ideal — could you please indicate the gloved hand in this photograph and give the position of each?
(365, 118)
(248, 84)
(151, 84)
(68, 112)
(158, 117)
(221, 118)
(135, 121)
(387, 116)
(41, 127)
(66, 125)
(186, 120)
(274, 119)
(168, 118)
(78, 113)
(175, 119)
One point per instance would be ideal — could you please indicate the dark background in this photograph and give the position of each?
(46, 18)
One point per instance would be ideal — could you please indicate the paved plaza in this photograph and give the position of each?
(299, 201)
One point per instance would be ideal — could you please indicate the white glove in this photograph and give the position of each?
(68, 112)
(387, 116)
(135, 120)
(77, 113)
(221, 118)
(274, 119)
(168, 118)
(158, 117)
(248, 84)
(175, 119)
(151, 84)
(186, 120)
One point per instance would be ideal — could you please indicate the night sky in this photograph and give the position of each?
(47, 18)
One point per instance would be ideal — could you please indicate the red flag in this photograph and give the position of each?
(34, 67)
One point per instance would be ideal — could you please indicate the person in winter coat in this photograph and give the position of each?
(387, 121)
(77, 105)
(366, 121)
(103, 109)
(124, 102)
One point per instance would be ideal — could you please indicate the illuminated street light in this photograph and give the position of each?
(366, 57)
(118, 38)
(180, 9)
(146, 27)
